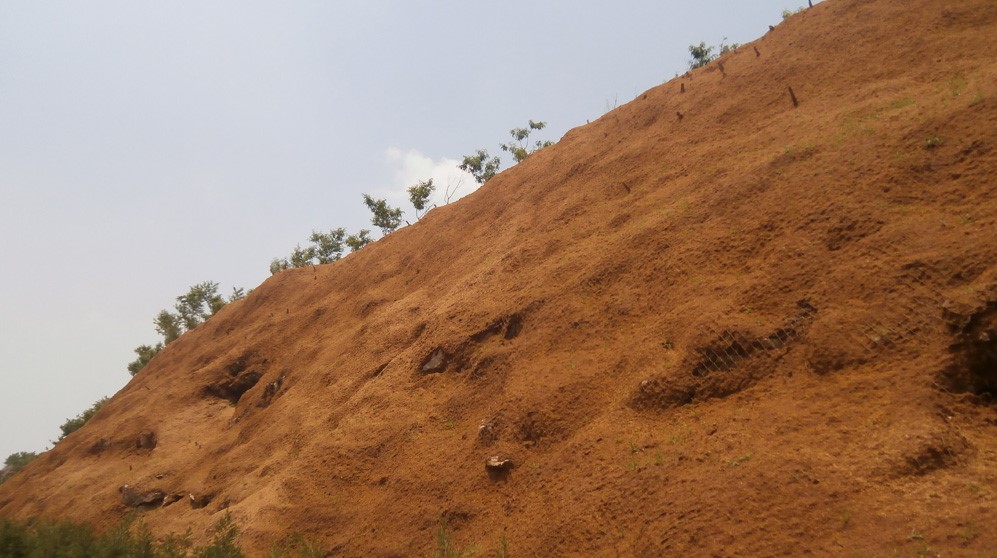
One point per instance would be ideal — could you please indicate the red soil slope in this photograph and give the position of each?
(709, 323)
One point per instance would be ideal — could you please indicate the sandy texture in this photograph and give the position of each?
(709, 323)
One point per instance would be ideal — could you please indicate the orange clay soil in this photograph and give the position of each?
(709, 323)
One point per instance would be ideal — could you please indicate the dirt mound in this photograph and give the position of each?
(709, 323)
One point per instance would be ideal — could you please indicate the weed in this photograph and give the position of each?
(296, 546)
(901, 103)
(634, 463)
(445, 547)
(503, 549)
(968, 533)
(63, 538)
(957, 85)
(844, 518)
(933, 142)
(739, 460)
(680, 435)
(976, 489)
(977, 99)
(659, 458)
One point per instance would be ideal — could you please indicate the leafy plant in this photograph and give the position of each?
(195, 306)
(14, 463)
(328, 247)
(419, 195)
(384, 217)
(145, 354)
(481, 166)
(74, 424)
(445, 547)
(519, 147)
(703, 55)
(57, 539)
(359, 240)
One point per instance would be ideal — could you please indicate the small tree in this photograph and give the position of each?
(520, 146)
(480, 166)
(419, 195)
(199, 303)
(15, 462)
(169, 325)
(359, 240)
(279, 264)
(385, 217)
(701, 55)
(74, 424)
(328, 247)
(145, 354)
(300, 257)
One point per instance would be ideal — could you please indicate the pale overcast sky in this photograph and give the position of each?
(147, 146)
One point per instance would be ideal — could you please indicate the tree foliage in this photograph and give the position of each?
(419, 195)
(192, 308)
(74, 424)
(383, 216)
(145, 354)
(14, 463)
(703, 55)
(520, 146)
(328, 247)
(359, 240)
(481, 166)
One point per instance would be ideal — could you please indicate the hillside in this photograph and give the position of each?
(710, 323)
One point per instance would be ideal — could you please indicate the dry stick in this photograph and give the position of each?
(679, 114)
(792, 95)
(811, 3)
(682, 90)
(757, 54)
(721, 66)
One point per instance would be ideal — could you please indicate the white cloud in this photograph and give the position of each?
(411, 167)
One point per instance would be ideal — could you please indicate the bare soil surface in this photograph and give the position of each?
(710, 323)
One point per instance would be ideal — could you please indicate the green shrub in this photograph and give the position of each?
(14, 463)
(384, 217)
(64, 539)
(74, 424)
(419, 195)
(703, 55)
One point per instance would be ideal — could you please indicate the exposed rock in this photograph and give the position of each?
(171, 498)
(436, 362)
(146, 440)
(198, 502)
(497, 463)
(488, 431)
(134, 497)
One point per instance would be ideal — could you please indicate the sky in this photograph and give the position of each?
(148, 146)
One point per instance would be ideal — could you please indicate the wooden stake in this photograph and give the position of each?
(757, 54)
(792, 96)
(682, 90)
(679, 114)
